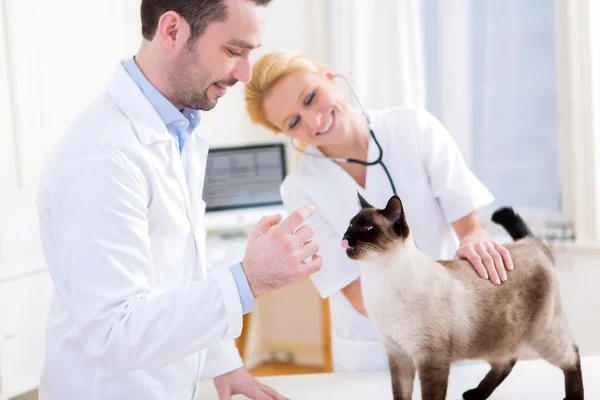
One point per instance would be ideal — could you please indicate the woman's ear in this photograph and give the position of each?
(330, 75)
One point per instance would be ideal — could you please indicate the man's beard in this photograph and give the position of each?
(183, 87)
(200, 100)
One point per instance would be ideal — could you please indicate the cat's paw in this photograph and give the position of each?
(474, 394)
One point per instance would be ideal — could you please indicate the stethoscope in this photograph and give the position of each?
(379, 159)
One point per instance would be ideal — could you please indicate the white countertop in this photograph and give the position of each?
(532, 380)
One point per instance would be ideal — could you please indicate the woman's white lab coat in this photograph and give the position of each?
(436, 189)
(135, 313)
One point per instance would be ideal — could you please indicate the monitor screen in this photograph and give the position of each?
(244, 177)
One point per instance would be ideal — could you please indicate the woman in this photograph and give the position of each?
(291, 94)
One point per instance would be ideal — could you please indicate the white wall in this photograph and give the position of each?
(8, 176)
(579, 274)
(58, 55)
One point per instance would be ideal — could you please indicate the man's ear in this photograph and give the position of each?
(169, 30)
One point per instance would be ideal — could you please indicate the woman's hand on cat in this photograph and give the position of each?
(490, 259)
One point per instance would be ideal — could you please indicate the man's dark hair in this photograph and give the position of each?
(197, 13)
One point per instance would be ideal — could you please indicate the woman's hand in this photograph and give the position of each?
(490, 260)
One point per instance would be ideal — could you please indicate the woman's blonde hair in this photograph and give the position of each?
(269, 70)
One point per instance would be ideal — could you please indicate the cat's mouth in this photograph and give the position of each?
(350, 250)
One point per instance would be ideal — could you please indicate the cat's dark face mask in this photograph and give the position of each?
(375, 231)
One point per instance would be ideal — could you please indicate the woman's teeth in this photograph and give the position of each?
(328, 126)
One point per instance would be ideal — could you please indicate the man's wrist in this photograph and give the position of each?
(243, 286)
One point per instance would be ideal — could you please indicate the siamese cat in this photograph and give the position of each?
(431, 313)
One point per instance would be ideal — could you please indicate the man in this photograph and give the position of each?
(135, 315)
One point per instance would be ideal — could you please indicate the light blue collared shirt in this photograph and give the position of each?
(181, 124)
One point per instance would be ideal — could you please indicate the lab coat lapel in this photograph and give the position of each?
(180, 174)
(196, 153)
(136, 106)
(149, 128)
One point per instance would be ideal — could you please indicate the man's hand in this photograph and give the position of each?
(240, 381)
(276, 252)
(489, 259)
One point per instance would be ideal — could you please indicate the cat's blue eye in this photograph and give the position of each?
(308, 99)
(368, 228)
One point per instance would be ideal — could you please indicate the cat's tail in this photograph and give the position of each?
(512, 222)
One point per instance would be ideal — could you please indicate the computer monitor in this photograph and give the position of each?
(242, 183)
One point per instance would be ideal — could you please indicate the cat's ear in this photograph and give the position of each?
(363, 203)
(394, 210)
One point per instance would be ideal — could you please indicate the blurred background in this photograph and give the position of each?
(516, 83)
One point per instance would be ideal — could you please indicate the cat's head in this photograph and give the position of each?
(373, 231)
